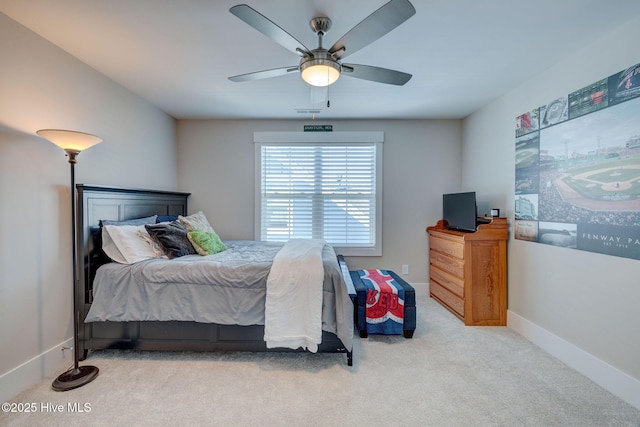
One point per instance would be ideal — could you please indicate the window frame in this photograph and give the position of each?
(345, 138)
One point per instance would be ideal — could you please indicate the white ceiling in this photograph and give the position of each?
(178, 54)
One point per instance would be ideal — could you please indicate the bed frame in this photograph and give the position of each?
(96, 203)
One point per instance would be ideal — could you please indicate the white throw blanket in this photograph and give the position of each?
(293, 306)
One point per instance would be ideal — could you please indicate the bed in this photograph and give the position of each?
(105, 325)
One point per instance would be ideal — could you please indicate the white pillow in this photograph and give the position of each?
(156, 247)
(196, 221)
(125, 243)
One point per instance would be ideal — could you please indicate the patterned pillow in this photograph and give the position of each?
(196, 221)
(205, 242)
(173, 238)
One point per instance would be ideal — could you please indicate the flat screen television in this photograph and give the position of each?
(459, 211)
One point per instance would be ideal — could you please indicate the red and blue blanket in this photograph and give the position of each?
(385, 302)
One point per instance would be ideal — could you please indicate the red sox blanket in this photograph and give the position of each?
(385, 302)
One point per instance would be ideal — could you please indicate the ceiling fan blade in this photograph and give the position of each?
(265, 74)
(268, 28)
(375, 74)
(376, 25)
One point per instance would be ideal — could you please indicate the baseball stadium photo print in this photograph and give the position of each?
(577, 159)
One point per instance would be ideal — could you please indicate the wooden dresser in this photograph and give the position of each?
(468, 272)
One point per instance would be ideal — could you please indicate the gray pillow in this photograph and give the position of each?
(173, 238)
(138, 221)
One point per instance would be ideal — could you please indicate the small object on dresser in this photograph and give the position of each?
(495, 213)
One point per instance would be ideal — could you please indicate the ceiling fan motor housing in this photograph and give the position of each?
(318, 67)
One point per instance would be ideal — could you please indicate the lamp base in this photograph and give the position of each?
(74, 378)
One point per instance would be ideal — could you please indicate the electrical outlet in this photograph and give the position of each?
(405, 269)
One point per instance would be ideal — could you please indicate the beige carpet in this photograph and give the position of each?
(447, 375)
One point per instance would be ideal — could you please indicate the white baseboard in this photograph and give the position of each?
(610, 378)
(47, 364)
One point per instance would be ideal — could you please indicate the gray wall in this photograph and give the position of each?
(43, 87)
(560, 297)
(421, 161)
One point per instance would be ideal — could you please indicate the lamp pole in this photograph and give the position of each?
(78, 375)
(74, 256)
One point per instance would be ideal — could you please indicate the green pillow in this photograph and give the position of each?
(206, 242)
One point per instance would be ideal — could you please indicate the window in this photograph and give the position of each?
(320, 187)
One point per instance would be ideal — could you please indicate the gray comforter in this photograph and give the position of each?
(225, 288)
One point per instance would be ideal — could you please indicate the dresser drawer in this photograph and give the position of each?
(447, 246)
(452, 301)
(451, 265)
(449, 281)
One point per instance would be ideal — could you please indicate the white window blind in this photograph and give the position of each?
(322, 191)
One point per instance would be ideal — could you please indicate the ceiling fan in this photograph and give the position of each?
(321, 67)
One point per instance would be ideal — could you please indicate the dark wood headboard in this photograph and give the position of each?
(96, 203)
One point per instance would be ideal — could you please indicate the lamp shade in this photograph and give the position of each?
(70, 140)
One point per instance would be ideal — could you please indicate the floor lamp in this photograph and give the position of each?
(73, 143)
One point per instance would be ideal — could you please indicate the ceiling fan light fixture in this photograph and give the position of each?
(320, 72)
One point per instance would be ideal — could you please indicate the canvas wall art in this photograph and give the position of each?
(577, 177)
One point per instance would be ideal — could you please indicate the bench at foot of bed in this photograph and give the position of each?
(360, 304)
